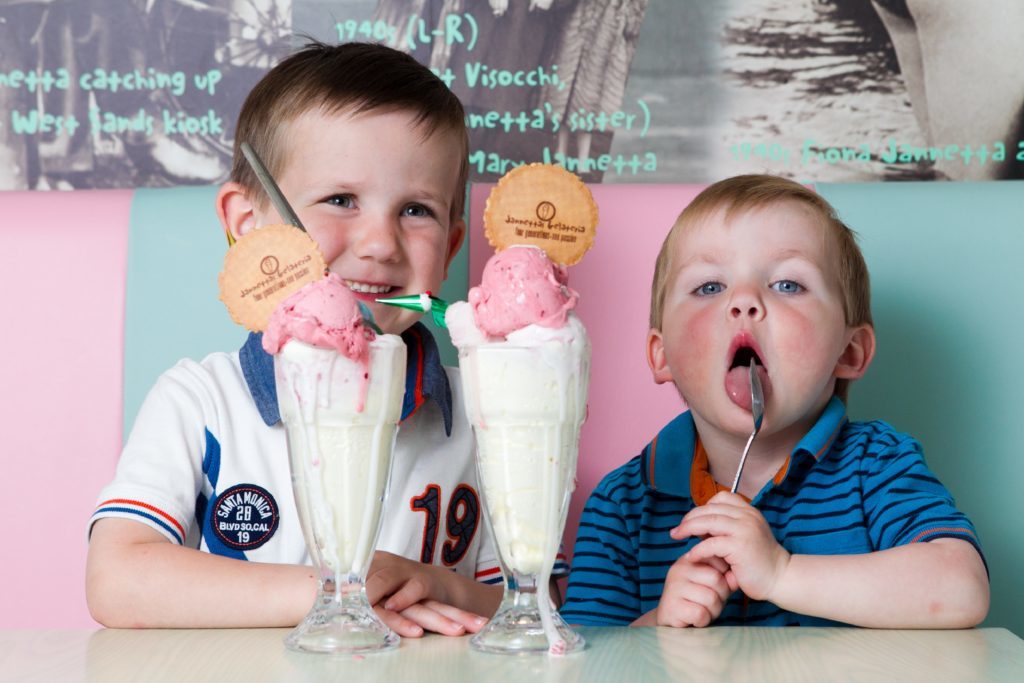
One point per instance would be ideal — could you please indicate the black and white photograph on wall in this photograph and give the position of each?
(692, 91)
(128, 93)
(131, 93)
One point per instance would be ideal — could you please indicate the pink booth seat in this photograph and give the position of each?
(62, 366)
(62, 281)
(62, 363)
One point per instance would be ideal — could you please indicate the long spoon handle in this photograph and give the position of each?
(743, 459)
(757, 412)
(284, 209)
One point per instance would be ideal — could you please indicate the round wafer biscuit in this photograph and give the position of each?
(265, 266)
(543, 205)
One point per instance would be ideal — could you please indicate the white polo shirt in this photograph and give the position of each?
(206, 465)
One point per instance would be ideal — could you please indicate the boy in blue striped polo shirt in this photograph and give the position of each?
(834, 521)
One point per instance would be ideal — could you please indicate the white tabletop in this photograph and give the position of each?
(612, 654)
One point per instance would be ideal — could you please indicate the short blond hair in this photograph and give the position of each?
(742, 193)
(350, 77)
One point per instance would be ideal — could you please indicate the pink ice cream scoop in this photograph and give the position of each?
(520, 286)
(325, 314)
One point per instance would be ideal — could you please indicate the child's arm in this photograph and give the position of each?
(938, 584)
(136, 578)
(694, 594)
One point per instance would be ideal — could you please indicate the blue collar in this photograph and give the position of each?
(668, 458)
(425, 377)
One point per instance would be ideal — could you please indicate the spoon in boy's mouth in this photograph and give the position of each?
(757, 411)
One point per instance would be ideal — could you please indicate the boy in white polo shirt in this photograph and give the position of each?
(199, 527)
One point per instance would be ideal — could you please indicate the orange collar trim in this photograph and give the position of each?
(703, 486)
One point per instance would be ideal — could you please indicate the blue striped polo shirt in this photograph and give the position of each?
(849, 488)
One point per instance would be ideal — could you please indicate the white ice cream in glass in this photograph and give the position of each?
(525, 365)
(340, 389)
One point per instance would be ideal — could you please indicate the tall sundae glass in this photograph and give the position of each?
(525, 364)
(340, 390)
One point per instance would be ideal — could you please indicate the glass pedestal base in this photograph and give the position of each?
(518, 628)
(345, 626)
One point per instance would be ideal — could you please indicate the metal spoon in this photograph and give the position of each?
(757, 410)
(367, 314)
(284, 209)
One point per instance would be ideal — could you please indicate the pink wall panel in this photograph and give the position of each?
(62, 270)
(626, 408)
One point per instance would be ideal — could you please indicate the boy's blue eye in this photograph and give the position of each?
(345, 201)
(709, 288)
(417, 211)
(787, 287)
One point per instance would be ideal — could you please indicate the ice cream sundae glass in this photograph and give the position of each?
(525, 361)
(339, 389)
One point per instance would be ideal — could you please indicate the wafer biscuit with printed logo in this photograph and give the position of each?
(545, 206)
(263, 267)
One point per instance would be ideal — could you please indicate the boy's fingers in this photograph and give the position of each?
(713, 601)
(682, 614)
(471, 622)
(401, 625)
(702, 512)
(732, 581)
(716, 546)
(710, 508)
(718, 564)
(432, 620)
(708, 578)
(376, 589)
(380, 584)
(707, 525)
(409, 594)
(728, 498)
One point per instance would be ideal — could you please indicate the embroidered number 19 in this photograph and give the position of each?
(462, 518)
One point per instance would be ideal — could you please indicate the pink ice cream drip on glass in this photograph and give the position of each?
(520, 286)
(324, 314)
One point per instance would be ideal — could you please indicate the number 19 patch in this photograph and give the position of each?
(245, 516)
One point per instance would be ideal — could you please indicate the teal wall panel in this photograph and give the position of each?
(175, 251)
(945, 261)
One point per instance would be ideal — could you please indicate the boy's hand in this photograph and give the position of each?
(694, 593)
(411, 597)
(738, 534)
(430, 615)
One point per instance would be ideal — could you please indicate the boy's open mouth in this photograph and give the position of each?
(737, 378)
(742, 357)
(367, 288)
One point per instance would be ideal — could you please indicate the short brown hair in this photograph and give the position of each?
(359, 77)
(744, 192)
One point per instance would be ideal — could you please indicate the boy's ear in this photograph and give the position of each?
(656, 357)
(857, 355)
(456, 233)
(235, 210)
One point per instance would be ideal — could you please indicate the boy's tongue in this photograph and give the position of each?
(737, 384)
